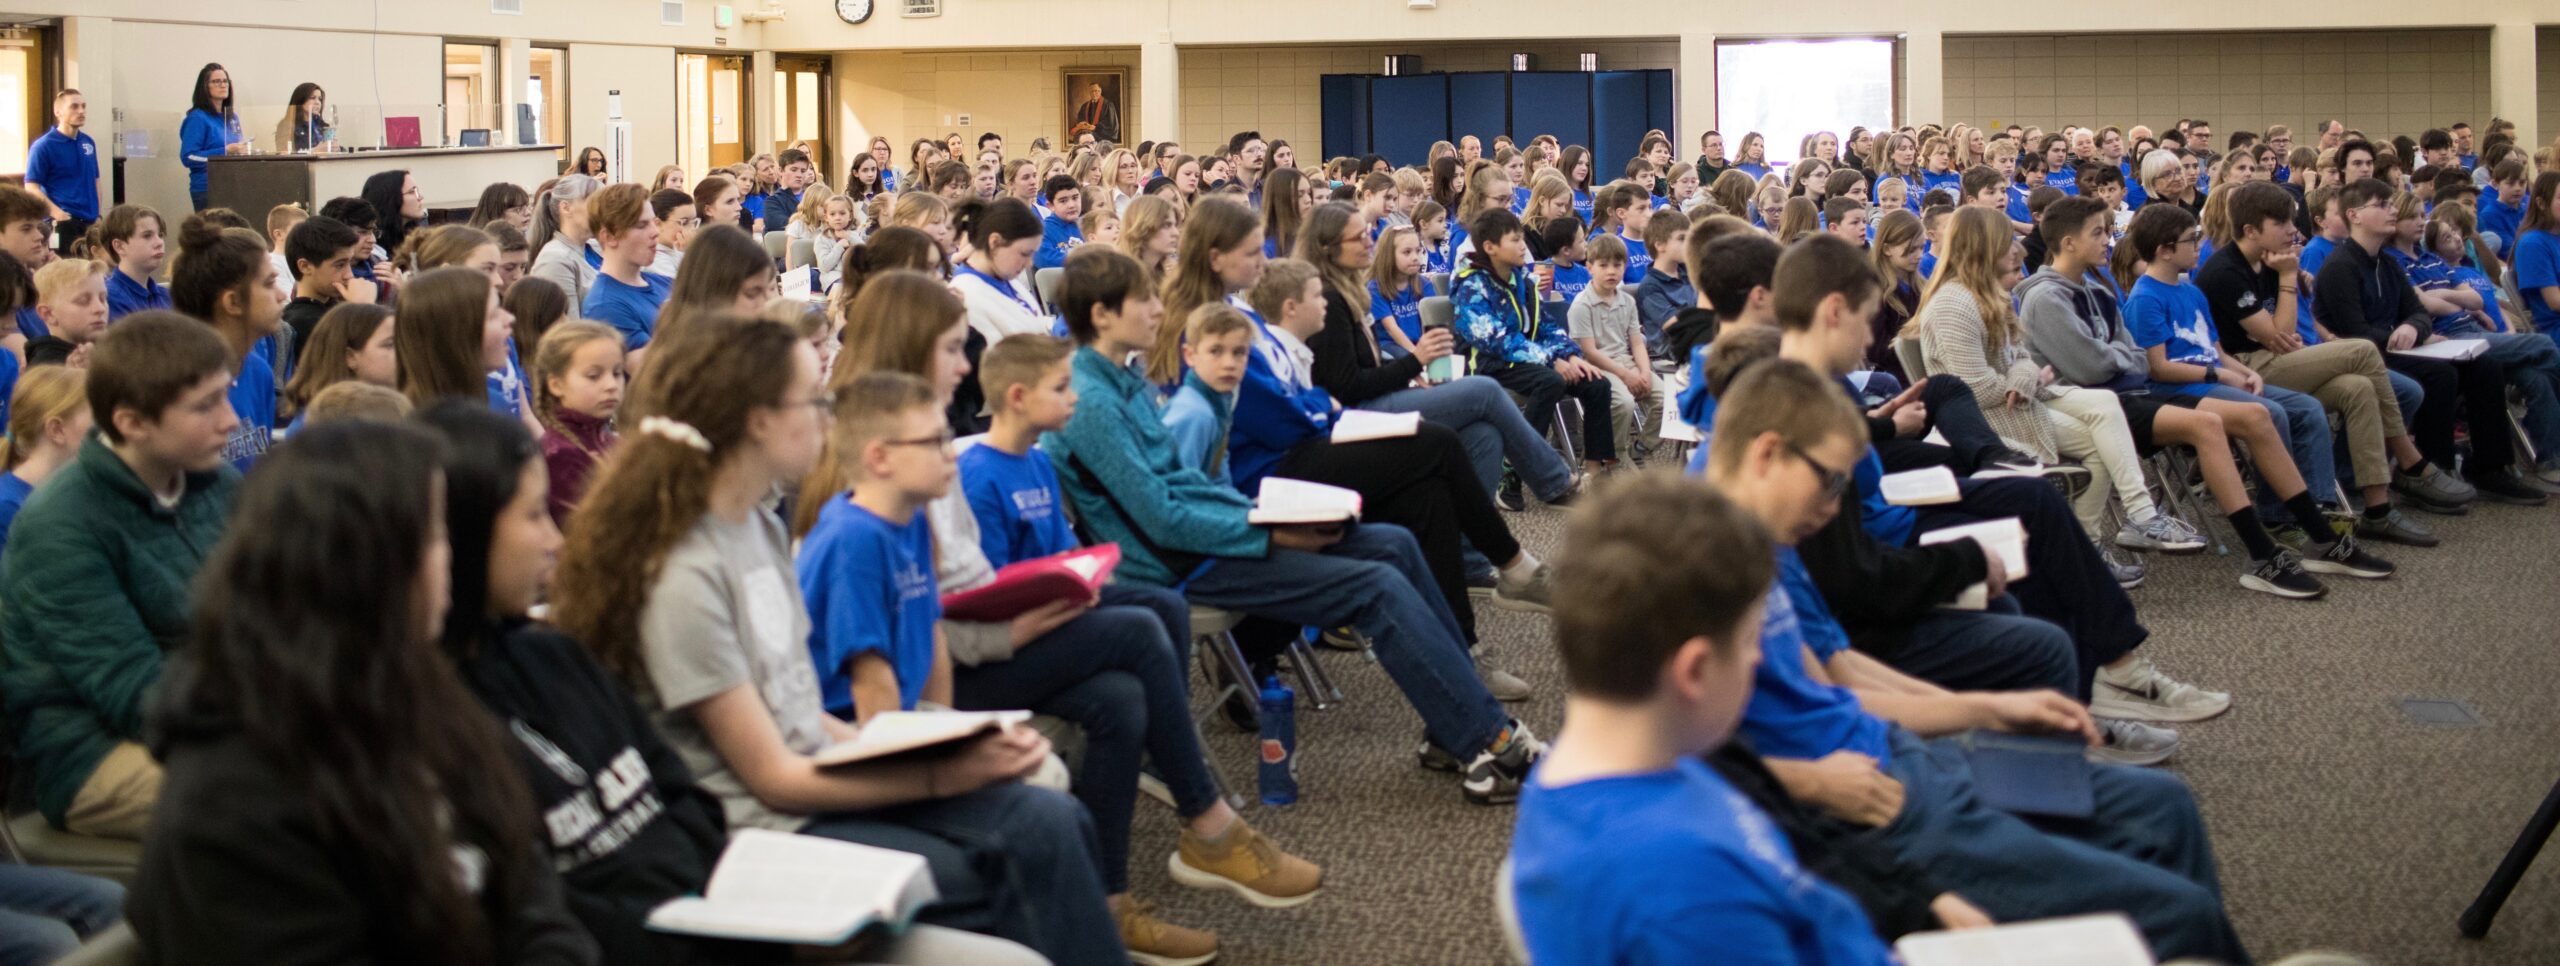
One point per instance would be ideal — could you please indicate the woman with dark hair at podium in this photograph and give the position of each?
(212, 128)
(305, 126)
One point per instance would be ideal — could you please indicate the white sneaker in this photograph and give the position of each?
(2140, 692)
(2132, 743)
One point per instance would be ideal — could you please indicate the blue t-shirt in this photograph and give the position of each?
(1639, 259)
(870, 588)
(2176, 316)
(1059, 236)
(13, 495)
(1436, 258)
(1582, 203)
(1672, 866)
(630, 309)
(253, 397)
(1403, 310)
(67, 169)
(2018, 203)
(1519, 200)
(1571, 280)
(1756, 171)
(2134, 194)
(31, 323)
(2066, 180)
(2537, 268)
(2314, 252)
(1792, 714)
(1019, 506)
(126, 296)
(1953, 181)
(2472, 278)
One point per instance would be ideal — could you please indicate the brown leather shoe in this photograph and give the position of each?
(1245, 863)
(1155, 942)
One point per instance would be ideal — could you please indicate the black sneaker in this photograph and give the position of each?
(1495, 776)
(2343, 556)
(2283, 576)
(2510, 487)
(1433, 758)
(1480, 586)
(1508, 496)
(1573, 491)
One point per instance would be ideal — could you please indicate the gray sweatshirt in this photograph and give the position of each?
(2077, 327)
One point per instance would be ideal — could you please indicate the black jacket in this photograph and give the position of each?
(238, 870)
(1895, 895)
(1877, 591)
(617, 809)
(1347, 363)
(2365, 295)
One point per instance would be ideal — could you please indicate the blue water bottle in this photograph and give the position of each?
(1279, 772)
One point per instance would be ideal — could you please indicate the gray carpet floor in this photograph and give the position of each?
(2342, 823)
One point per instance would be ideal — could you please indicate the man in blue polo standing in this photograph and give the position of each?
(62, 168)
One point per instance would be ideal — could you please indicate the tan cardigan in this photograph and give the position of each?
(1953, 340)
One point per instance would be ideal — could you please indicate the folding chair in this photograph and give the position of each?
(777, 245)
(802, 253)
(1046, 282)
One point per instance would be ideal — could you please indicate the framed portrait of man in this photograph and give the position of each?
(1096, 98)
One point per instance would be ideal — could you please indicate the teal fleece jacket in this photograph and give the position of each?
(94, 593)
(1117, 441)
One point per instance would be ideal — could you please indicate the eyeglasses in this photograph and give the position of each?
(1833, 482)
(939, 441)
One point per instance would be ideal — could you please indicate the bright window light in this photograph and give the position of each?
(1786, 89)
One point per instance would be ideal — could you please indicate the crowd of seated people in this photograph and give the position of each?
(311, 523)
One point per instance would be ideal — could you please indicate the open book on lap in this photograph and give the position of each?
(1027, 585)
(1285, 501)
(891, 734)
(780, 887)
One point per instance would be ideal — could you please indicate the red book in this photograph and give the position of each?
(1028, 585)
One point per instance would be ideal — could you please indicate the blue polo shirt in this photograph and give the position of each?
(126, 296)
(67, 169)
(870, 588)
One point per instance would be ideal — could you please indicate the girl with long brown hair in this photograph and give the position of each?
(452, 335)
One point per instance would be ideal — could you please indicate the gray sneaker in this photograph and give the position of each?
(2127, 573)
(2392, 527)
(1503, 685)
(2132, 743)
(2433, 489)
(2162, 533)
(1533, 593)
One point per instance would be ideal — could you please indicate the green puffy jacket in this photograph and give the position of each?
(93, 592)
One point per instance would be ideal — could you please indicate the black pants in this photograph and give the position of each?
(1541, 389)
(2066, 583)
(2478, 386)
(1424, 484)
(70, 231)
(1972, 446)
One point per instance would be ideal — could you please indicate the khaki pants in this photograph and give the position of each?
(2089, 426)
(2348, 378)
(1632, 419)
(116, 801)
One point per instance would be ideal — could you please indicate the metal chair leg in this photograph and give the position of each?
(1319, 686)
(1222, 647)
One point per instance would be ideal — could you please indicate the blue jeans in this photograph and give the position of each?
(1115, 672)
(1999, 649)
(45, 913)
(1490, 426)
(2307, 439)
(1009, 860)
(2532, 362)
(1374, 580)
(2145, 852)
